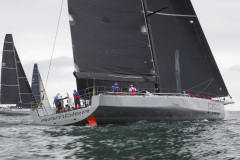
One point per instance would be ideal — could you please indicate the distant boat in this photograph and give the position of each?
(40, 93)
(16, 94)
(145, 43)
(45, 114)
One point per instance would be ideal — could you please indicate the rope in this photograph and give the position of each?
(40, 104)
(202, 83)
(54, 44)
(206, 86)
(230, 107)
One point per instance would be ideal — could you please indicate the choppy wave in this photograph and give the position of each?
(20, 138)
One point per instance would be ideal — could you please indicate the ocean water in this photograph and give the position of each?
(21, 139)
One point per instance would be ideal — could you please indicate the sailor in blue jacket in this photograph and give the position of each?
(58, 101)
(116, 89)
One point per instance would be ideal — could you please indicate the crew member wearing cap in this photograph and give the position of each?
(132, 90)
(77, 96)
(116, 89)
(58, 102)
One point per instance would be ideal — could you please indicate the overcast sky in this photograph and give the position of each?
(33, 24)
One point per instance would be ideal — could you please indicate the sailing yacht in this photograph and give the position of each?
(158, 46)
(16, 94)
(45, 114)
(40, 93)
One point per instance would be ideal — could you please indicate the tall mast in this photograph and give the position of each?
(151, 45)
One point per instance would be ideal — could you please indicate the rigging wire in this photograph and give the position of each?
(54, 44)
(40, 104)
(202, 84)
(206, 86)
(230, 107)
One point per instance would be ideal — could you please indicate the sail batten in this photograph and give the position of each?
(8, 50)
(166, 14)
(114, 77)
(9, 85)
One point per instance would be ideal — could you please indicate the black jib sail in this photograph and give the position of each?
(118, 40)
(110, 43)
(175, 28)
(36, 84)
(15, 88)
(38, 88)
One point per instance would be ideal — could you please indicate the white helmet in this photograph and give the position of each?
(131, 85)
(115, 84)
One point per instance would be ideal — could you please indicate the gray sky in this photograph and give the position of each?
(33, 24)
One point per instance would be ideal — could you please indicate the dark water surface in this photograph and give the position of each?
(20, 138)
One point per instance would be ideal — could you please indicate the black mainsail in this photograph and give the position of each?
(111, 43)
(15, 88)
(175, 27)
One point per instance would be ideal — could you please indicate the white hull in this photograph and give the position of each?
(64, 118)
(121, 109)
(110, 109)
(9, 109)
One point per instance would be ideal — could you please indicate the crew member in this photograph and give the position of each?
(198, 96)
(132, 90)
(112, 90)
(184, 93)
(190, 94)
(208, 97)
(58, 103)
(77, 96)
(116, 89)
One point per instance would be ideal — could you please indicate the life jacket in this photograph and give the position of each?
(75, 95)
(133, 91)
(198, 96)
(190, 94)
(208, 97)
(116, 89)
(60, 105)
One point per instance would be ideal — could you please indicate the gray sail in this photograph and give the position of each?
(110, 43)
(175, 26)
(15, 88)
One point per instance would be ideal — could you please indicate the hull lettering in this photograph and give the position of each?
(66, 115)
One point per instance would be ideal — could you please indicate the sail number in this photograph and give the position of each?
(214, 108)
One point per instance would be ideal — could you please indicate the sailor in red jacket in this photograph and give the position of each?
(132, 90)
(77, 96)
